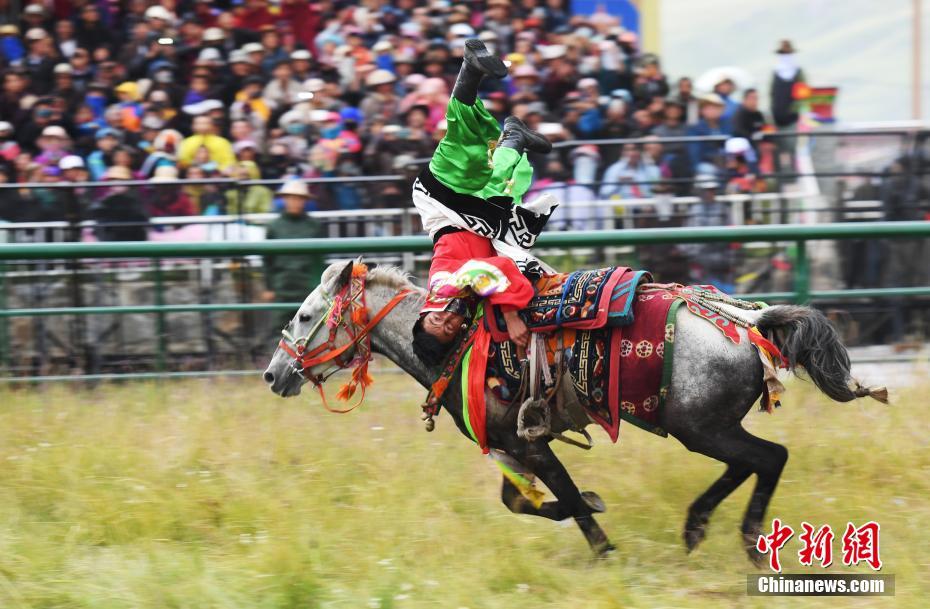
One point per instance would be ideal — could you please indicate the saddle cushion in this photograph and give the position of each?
(582, 300)
(623, 373)
(617, 373)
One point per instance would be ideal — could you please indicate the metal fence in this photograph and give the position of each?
(77, 343)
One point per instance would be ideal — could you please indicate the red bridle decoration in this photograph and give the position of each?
(351, 300)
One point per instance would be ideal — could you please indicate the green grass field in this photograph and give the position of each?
(219, 494)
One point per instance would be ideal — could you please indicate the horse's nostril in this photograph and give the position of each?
(269, 377)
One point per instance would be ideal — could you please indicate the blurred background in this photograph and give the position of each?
(179, 123)
(183, 136)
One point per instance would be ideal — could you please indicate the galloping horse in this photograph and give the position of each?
(714, 384)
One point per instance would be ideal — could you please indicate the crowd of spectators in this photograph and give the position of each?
(251, 89)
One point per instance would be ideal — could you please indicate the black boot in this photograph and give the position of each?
(518, 136)
(477, 63)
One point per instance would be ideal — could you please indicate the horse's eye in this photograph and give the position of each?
(304, 318)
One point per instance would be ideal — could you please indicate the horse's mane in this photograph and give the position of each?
(390, 277)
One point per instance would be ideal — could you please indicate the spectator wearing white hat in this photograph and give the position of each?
(711, 123)
(159, 19)
(290, 278)
(561, 75)
(53, 144)
(302, 64)
(382, 101)
(246, 150)
(65, 88)
(39, 61)
(73, 169)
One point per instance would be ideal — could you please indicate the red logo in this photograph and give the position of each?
(774, 542)
(817, 545)
(859, 544)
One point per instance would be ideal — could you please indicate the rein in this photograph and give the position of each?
(434, 398)
(350, 299)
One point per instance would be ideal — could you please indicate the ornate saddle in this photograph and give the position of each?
(582, 300)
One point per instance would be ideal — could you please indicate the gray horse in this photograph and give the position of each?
(714, 384)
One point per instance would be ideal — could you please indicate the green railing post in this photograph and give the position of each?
(802, 274)
(162, 357)
(4, 334)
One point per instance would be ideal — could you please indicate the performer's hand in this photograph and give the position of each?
(517, 329)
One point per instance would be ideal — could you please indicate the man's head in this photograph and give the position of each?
(711, 107)
(751, 100)
(202, 125)
(632, 153)
(725, 87)
(294, 194)
(434, 333)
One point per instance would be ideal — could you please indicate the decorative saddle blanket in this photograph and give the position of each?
(617, 372)
(582, 300)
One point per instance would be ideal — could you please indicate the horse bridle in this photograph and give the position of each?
(356, 325)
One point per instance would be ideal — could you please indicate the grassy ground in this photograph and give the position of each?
(219, 494)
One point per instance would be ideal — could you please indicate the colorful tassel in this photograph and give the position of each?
(360, 316)
(347, 391)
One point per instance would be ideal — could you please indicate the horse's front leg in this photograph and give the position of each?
(539, 458)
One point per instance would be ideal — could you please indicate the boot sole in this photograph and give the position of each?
(482, 60)
(533, 141)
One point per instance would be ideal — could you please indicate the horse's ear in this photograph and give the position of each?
(335, 278)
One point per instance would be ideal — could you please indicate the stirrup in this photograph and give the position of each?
(534, 409)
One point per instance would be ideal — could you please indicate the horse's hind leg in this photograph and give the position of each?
(539, 458)
(744, 454)
(553, 510)
(518, 504)
(699, 512)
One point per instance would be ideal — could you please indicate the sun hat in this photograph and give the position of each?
(55, 131)
(72, 161)
(294, 187)
(380, 77)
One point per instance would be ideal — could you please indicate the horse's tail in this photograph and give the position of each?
(807, 339)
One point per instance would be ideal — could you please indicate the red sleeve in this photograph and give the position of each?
(520, 292)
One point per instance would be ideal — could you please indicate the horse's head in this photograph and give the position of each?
(319, 323)
(332, 331)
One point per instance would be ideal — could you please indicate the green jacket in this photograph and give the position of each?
(293, 276)
(253, 200)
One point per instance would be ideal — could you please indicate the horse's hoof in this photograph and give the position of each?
(695, 530)
(756, 557)
(606, 550)
(594, 501)
(693, 537)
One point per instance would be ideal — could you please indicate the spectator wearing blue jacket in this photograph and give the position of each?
(710, 123)
(100, 159)
(12, 50)
(725, 89)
